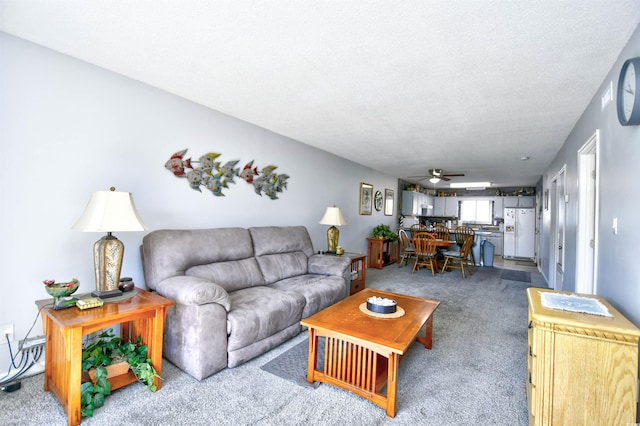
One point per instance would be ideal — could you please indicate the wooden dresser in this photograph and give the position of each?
(582, 368)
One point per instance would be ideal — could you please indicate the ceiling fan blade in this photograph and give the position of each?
(453, 174)
(444, 178)
(421, 176)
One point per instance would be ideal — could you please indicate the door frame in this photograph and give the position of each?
(588, 215)
(559, 209)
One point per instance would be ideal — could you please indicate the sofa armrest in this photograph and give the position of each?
(328, 265)
(188, 290)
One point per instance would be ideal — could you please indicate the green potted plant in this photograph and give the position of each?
(384, 232)
(106, 351)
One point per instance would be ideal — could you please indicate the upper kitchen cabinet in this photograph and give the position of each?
(451, 206)
(445, 207)
(438, 206)
(525, 201)
(414, 203)
(498, 205)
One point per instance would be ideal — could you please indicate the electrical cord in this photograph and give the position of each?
(27, 360)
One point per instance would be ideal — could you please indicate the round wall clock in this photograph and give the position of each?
(378, 201)
(628, 99)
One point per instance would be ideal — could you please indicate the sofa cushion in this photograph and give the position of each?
(259, 312)
(276, 267)
(232, 275)
(281, 239)
(319, 291)
(170, 252)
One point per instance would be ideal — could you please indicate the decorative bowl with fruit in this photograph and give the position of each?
(381, 305)
(60, 290)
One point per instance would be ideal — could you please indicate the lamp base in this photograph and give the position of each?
(106, 293)
(332, 239)
(107, 258)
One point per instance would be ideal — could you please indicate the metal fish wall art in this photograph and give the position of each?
(215, 176)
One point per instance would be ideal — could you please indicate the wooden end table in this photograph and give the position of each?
(140, 316)
(358, 271)
(362, 352)
(378, 249)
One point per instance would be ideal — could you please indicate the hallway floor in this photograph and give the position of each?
(514, 265)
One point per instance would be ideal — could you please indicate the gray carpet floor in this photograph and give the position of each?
(475, 373)
(523, 276)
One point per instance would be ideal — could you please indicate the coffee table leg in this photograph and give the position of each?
(313, 354)
(392, 383)
(427, 340)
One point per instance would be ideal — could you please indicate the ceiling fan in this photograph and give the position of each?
(437, 175)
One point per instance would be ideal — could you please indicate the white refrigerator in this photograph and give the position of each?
(519, 233)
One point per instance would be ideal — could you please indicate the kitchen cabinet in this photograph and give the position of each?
(410, 202)
(438, 206)
(495, 238)
(451, 206)
(513, 201)
(445, 207)
(498, 205)
(526, 201)
(582, 368)
(413, 203)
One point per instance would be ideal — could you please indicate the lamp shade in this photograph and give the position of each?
(333, 216)
(110, 211)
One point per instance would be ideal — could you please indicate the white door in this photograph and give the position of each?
(560, 219)
(587, 215)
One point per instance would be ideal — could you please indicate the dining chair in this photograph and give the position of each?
(425, 249)
(459, 258)
(418, 227)
(442, 232)
(408, 251)
(461, 233)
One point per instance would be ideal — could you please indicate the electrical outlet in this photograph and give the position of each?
(6, 329)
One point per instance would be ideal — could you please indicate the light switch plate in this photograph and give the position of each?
(607, 96)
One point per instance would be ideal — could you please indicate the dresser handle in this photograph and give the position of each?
(530, 324)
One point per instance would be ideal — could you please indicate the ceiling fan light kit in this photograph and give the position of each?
(436, 175)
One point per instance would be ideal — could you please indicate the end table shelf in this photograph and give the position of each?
(358, 271)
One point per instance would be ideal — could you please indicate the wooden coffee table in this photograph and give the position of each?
(362, 351)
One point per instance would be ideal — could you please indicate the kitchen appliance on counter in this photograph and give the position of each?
(519, 233)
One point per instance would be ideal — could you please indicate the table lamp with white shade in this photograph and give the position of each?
(109, 211)
(333, 216)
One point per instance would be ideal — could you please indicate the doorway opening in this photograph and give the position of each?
(558, 186)
(586, 244)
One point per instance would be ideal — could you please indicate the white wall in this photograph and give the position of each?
(618, 278)
(68, 128)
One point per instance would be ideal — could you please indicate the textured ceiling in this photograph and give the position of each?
(401, 87)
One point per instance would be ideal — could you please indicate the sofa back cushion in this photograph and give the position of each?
(281, 251)
(276, 267)
(232, 275)
(171, 252)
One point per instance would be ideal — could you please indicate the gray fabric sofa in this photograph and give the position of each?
(238, 292)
